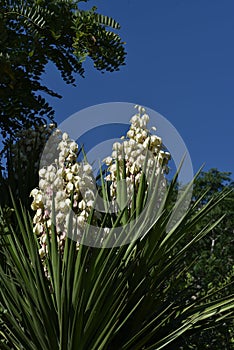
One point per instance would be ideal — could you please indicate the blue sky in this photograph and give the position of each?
(180, 62)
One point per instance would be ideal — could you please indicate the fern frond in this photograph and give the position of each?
(106, 21)
(32, 15)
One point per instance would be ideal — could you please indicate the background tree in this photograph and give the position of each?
(214, 267)
(32, 34)
(35, 32)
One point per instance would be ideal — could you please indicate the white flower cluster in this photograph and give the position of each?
(69, 185)
(138, 146)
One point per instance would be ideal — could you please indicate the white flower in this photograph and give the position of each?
(71, 157)
(64, 152)
(132, 143)
(47, 176)
(145, 118)
(65, 136)
(51, 169)
(140, 109)
(77, 182)
(130, 133)
(146, 143)
(89, 195)
(60, 195)
(43, 238)
(75, 168)
(60, 217)
(57, 132)
(52, 177)
(38, 198)
(114, 154)
(90, 203)
(38, 229)
(107, 230)
(133, 168)
(155, 140)
(134, 119)
(113, 168)
(39, 212)
(73, 146)
(108, 160)
(144, 134)
(108, 178)
(81, 220)
(139, 137)
(69, 187)
(37, 203)
(117, 146)
(60, 172)
(58, 183)
(87, 168)
(82, 205)
(137, 177)
(68, 202)
(42, 252)
(69, 176)
(134, 154)
(34, 192)
(62, 206)
(128, 151)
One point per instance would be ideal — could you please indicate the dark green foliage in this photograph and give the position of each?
(22, 157)
(101, 299)
(214, 267)
(35, 32)
(217, 250)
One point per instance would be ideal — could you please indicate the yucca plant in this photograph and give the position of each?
(124, 290)
(126, 297)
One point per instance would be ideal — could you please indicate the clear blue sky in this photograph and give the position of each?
(180, 63)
